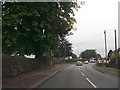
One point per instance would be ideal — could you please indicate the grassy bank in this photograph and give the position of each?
(111, 69)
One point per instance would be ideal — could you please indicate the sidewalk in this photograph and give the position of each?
(32, 79)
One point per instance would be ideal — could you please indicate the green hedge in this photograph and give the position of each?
(13, 66)
(16, 65)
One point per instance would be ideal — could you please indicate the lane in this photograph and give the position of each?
(81, 77)
(70, 77)
(101, 80)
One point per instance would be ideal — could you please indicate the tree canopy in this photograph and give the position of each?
(35, 28)
(89, 53)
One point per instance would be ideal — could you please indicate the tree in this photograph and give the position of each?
(65, 48)
(98, 56)
(74, 55)
(89, 53)
(109, 54)
(112, 57)
(35, 28)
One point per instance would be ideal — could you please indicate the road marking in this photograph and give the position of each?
(43, 80)
(91, 83)
(82, 73)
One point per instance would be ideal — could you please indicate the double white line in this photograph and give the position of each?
(88, 80)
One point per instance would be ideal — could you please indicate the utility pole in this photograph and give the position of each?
(105, 45)
(115, 41)
(116, 61)
(51, 57)
(65, 51)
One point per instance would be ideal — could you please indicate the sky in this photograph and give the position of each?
(92, 19)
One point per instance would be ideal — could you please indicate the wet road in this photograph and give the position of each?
(81, 77)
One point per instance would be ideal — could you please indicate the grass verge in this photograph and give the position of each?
(111, 69)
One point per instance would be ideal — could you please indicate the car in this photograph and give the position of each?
(86, 62)
(100, 61)
(78, 63)
(92, 61)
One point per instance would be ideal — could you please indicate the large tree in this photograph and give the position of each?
(89, 53)
(35, 28)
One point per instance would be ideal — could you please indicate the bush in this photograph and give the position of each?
(16, 65)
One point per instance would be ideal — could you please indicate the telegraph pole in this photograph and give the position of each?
(65, 51)
(115, 41)
(116, 61)
(105, 45)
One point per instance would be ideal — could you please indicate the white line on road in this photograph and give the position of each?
(43, 80)
(91, 83)
(83, 74)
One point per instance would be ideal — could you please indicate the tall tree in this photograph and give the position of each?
(35, 28)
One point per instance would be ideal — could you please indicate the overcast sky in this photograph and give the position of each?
(92, 19)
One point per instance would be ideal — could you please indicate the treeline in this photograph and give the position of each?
(89, 53)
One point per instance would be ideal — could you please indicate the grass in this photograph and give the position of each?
(111, 69)
(71, 62)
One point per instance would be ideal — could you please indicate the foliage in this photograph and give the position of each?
(89, 53)
(74, 55)
(109, 54)
(65, 48)
(98, 56)
(13, 66)
(112, 57)
(35, 28)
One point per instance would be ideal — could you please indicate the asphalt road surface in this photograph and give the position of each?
(81, 77)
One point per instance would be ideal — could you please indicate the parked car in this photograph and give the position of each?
(78, 63)
(99, 61)
(86, 62)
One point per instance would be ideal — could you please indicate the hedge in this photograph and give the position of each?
(16, 65)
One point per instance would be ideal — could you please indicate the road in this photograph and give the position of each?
(81, 77)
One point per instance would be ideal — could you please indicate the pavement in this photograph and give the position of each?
(32, 79)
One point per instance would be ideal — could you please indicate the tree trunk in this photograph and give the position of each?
(39, 60)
